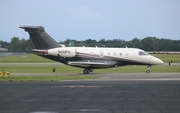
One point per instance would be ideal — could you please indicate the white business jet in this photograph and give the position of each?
(88, 58)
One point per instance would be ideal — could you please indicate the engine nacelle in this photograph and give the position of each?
(63, 52)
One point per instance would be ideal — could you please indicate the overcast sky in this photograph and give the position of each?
(95, 19)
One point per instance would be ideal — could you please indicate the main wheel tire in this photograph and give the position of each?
(90, 70)
(85, 71)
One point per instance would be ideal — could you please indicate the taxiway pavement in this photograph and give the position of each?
(110, 93)
(113, 76)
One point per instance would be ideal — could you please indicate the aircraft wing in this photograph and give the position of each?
(91, 64)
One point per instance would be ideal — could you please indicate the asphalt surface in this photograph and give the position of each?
(114, 76)
(111, 93)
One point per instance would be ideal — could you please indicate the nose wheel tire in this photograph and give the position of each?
(147, 71)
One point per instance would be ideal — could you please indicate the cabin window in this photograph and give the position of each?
(146, 53)
(109, 53)
(114, 54)
(127, 54)
(141, 53)
(120, 54)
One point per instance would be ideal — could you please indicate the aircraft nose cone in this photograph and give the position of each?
(159, 61)
(156, 61)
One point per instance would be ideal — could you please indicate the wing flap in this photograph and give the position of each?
(88, 64)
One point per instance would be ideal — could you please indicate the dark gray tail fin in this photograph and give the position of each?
(40, 38)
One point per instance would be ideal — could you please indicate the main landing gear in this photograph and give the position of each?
(86, 71)
(148, 69)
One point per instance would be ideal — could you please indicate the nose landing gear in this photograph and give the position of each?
(148, 69)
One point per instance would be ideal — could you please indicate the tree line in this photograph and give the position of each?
(147, 44)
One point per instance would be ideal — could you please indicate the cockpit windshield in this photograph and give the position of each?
(141, 53)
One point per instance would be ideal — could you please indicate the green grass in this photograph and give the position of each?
(168, 57)
(43, 78)
(141, 69)
(40, 69)
(69, 69)
(32, 58)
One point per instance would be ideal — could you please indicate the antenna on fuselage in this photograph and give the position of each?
(62, 45)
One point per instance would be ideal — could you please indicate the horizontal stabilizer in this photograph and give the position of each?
(32, 28)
